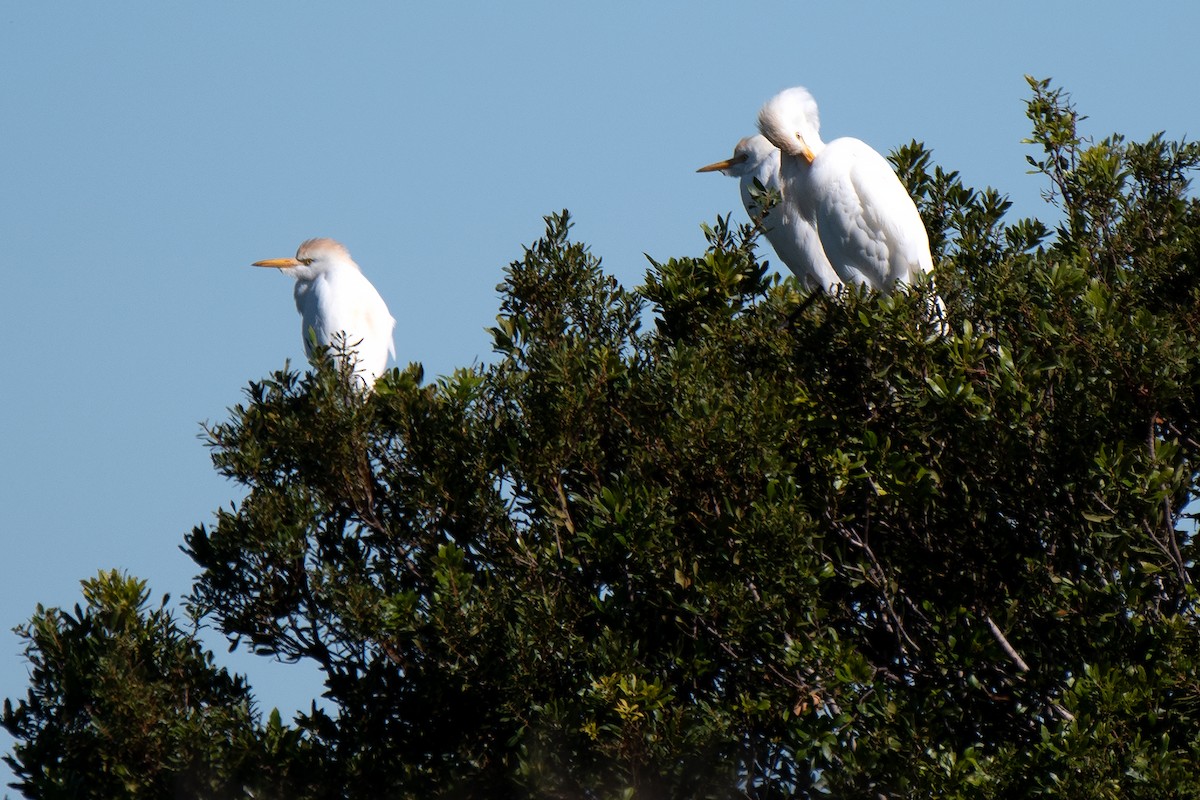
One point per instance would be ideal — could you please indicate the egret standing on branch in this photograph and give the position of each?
(868, 224)
(335, 299)
(793, 237)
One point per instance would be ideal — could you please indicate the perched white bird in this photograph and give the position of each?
(334, 297)
(868, 225)
(793, 237)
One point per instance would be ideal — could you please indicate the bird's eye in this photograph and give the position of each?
(305, 261)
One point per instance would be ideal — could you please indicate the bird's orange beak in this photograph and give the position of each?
(726, 164)
(280, 263)
(805, 151)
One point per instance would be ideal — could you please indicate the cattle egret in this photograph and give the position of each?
(793, 237)
(335, 299)
(868, 225)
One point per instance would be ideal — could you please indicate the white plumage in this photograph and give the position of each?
(793, 237)
(868, 225)
(334, 297)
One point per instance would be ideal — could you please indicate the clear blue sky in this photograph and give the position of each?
(153, 150)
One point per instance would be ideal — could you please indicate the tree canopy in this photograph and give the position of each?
(710, 537)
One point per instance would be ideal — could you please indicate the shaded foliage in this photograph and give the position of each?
(124, 703)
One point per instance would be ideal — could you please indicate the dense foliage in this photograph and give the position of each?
(125, 704)
(716, 537)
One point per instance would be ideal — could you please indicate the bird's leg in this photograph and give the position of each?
(804, 304)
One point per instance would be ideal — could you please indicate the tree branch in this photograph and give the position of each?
(1012, 653)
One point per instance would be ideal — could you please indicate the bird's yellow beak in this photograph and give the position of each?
(726, 164)
(280, 263)
(805, 151)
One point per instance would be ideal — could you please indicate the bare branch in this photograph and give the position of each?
(1012, 653)
(1005, 645)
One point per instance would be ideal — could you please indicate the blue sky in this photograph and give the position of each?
(153, 150)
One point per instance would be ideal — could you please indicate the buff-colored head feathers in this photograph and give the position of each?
(791, 122)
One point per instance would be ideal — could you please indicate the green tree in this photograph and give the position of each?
(715, 537)
(124, 703)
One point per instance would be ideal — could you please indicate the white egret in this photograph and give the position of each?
(793, 237)
(334, 297)
(868, 224)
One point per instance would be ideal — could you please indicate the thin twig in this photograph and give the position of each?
(1005, 645)
(881, 581)
(566, 514)
(1012, 653)
(1170, 544)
